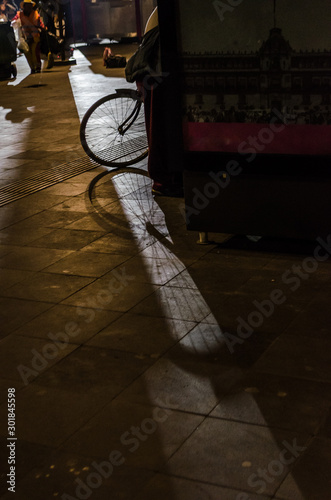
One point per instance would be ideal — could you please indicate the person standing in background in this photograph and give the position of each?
(31, 27)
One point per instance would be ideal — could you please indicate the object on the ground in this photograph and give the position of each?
(49, 43)
(113, 61)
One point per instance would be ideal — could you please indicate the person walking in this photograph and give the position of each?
(31, 27)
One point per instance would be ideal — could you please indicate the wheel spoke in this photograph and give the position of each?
(100, 134)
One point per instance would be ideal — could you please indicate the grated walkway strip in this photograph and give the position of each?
(19, 189)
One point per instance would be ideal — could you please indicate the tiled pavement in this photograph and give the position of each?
(121, 335)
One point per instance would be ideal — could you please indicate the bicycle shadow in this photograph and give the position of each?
(204, 372)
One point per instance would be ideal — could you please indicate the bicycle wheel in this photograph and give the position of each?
(113, 130)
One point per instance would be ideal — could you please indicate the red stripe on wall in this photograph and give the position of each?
(248, 138)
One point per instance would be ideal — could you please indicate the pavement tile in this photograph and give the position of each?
(15, 312)
(68, 324)
(165, 487)
(78, 203)
(68, 474)
(138, 334)
(171, 302)
(155, 271)
(10, 277)
(276, 401)
(309, 324)
(19, 234)
(28, 457)
(83, 383)
(90, 222)
(250, 313)
(113, 292)
(301, 358)
(145, 436)
(47, 287)
(32, 258)
(66, 239)
(178, 386)
(232, 453)
(112, 244)
(68, 188)
(24, 358)
(54, 219)
(86, 264)
(310, 477)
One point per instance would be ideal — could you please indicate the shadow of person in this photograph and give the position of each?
(213, 331)
(236, 348)
(17, 112)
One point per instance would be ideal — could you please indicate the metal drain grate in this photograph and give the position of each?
(54, 175)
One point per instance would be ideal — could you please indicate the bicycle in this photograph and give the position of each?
(113, 131)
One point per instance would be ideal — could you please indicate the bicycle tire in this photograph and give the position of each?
(100, 135)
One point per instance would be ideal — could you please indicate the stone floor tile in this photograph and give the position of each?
(67, 239)
(232, 453)
(18, 234)
(301, 358)
(83, 384)
(310, 476)
(325, 430)
(309, 324)
(276, 401)
(165, 487)
(47, 287)
(155, 271)
(187, 386)
(68, 324)
(138, 334)
(86, 264)
(6, 249)
(89, 223)
(28, 457)
(68, 188)
(32, 258)
(25, 358)
(12, 213)
(40, 201)
(171, 302)
(64, 474)
(28, 309)
(54, 219)
(183, 280)
(10, 277)
(146, 437)
(75, 204)
(113, 244)
(113, 292)
(208, 342)
(248, 313)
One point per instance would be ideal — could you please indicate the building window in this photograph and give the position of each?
(297, 82)
(242, 83)
(264, 81)
(252, 83)
(231, 82)
(210, 82)
(220, 83)
(199, 82)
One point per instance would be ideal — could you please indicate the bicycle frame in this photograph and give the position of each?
(135, 112)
